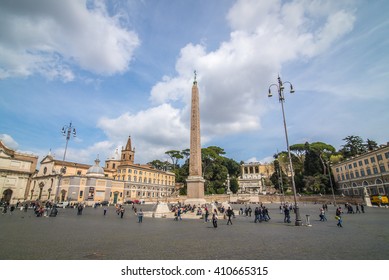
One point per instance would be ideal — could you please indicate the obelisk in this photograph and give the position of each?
(195, 181)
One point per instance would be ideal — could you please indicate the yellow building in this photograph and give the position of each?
(254, 174)
(119, 181)
(16, 171)
(364, 173)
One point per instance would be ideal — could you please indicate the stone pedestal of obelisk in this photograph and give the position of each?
(195, 181)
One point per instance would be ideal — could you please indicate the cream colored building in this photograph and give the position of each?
(368, 171)
(16, 171)
(254, 174)
(120, 180)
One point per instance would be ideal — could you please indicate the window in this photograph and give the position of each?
(357, 173)
(78, 172)
(363, 173)
(375, 170)
(366, 161)
(129, 170)
(368, 171)
(352, 175)
(387, 155)
(347, 176)
(355, 164)
(45, 170)
(350, 166)
(81, 194)
(360, 163)
(372, 159)
(342, 177)
(379, 157)
(337, 169)
(382, 168)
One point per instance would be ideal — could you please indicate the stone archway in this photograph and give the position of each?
(7, 195)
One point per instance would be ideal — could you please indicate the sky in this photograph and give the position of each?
(115, 69)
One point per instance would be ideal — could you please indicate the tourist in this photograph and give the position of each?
(362, 208)
(265, 213)
(140, 216)
(357, 209)
(256, 214)
(287, 215)
(322, 215)
(105, 210)
(339, 217)
(214, 218)
(122, 210)
(229, 215)
(206, 215)
(11, 209)
(79, 209)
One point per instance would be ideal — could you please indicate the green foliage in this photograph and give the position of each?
(354, 146)
(234, 186)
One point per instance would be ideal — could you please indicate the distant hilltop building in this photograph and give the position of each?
(253, 178)
(118, 181)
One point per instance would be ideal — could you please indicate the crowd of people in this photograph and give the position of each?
(261, 212)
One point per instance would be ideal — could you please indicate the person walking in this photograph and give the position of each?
(362, 208)
(357, 209)
(287, 215)
(122, 210)
(339, 217)
(140, 216)
(206, 215)
(105, 210)
(256, 214)
(214, 218)
(322, 215)
(229, 215)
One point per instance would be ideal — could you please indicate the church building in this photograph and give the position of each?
(120, 180)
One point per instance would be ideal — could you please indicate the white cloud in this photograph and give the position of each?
(9, 141)
(54, 36)
(159, 127)
(233, 79)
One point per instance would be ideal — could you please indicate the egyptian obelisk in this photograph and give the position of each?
(195, 181)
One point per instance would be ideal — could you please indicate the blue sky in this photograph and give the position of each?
(120, 68)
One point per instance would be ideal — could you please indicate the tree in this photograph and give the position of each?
(354, 146)
(174, 156)
(157, 164)
(371, 145)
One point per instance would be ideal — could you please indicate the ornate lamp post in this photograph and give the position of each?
(68, 131)
(332, 187)
(281, 98)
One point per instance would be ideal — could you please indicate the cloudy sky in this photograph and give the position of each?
(120, 68)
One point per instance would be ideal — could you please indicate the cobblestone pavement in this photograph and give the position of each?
(94, 236)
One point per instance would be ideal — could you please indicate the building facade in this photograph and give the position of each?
(254, 175)
(366, 173)
(119, 181)
(16, 171)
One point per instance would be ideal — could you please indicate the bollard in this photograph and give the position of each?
(308, 224)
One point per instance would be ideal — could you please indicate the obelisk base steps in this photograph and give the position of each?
(195, 191)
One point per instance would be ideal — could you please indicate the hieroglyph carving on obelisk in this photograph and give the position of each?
(195, 142)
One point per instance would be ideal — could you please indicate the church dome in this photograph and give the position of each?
(96, 170)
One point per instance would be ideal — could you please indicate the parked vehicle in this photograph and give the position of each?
(379, 200)
(62, 204)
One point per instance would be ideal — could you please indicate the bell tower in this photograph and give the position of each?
(128, 154)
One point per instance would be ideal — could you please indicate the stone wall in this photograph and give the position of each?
(246, 198)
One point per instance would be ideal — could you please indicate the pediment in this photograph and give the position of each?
(47, 159)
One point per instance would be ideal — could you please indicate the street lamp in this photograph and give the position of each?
(332, 187)
(281, 98)
(68, 131)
